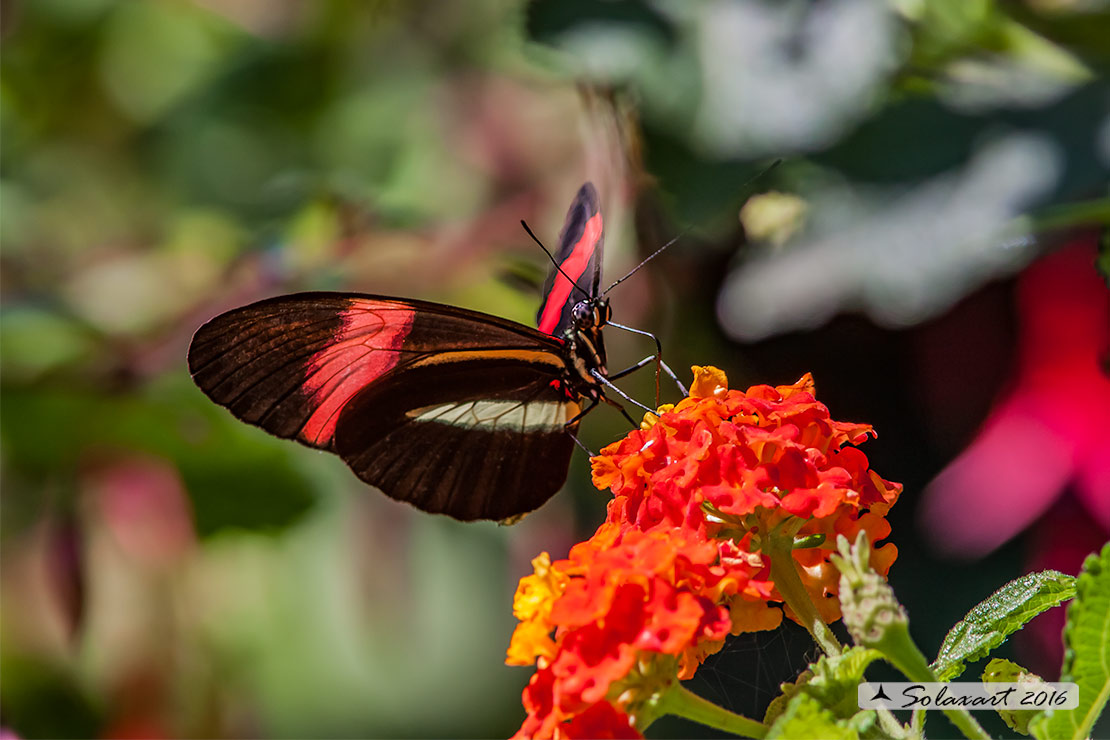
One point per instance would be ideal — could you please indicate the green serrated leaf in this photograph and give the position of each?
(1086, 655)
(805, 719)
(831, 681)
(1006, 671)
(789, 691)
(998, 616)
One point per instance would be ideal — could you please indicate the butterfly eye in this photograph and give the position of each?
(581, 311)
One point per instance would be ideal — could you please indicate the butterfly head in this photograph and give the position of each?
(592, 313)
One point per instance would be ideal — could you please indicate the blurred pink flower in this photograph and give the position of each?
(145, 507)
(1049, 433)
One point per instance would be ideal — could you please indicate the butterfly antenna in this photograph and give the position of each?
(770, 168)
(649, 258)
(685, 231)
(551, 257)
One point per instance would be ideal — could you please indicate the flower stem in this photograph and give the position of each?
(898, 647)
(784, 572)
(681, 702)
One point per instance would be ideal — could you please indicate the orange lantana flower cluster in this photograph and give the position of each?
(681, 560)
(629, 609)
(725, 463)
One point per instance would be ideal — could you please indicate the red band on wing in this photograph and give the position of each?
(574, 266)
(365, 348)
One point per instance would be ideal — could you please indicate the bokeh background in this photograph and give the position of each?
(926, 248)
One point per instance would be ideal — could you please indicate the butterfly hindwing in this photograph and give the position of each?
(477, 438)
(579, 256)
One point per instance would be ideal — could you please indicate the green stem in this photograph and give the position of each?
(1083, 213)
(784, 572)
(917, 721)
(893, 727)
(899, 648)
(680, 701)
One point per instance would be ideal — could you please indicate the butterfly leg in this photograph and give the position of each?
(635, 424)
(569, 427)
(583, 412)
(658, 357)
(587, 450)
(646, 360)
(632, 368)
(637, 366)
(605, 381)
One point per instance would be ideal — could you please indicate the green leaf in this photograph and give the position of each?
(831, 681)
(1086, 655)
(779, 704)
(998, 616)
(1006, 671)
(805, 719)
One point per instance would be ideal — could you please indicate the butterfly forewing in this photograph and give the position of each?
(296, 365)
(266, 362)
(579, 260)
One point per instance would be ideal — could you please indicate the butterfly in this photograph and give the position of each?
(453, 411)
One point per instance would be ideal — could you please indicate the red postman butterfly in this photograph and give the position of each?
(454, 411)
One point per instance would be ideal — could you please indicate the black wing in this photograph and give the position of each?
(579, 256)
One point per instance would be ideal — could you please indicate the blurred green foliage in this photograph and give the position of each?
(163, 161)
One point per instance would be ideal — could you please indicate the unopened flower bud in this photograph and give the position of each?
(867, 602)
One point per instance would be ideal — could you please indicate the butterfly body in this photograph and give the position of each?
(450, 410)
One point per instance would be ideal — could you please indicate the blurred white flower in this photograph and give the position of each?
(976, 85)
(790, 76)
(900, 262)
